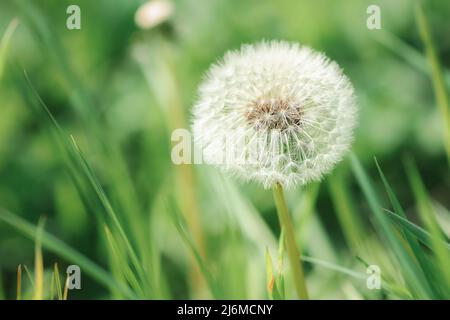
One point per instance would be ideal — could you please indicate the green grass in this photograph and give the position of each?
(4, 44)
(100, 121)
(55, 245)
(436, 75)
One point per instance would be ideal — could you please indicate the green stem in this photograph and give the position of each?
(292, 249)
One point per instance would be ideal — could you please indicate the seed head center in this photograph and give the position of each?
(269, 114)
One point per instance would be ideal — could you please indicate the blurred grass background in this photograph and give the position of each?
(140, 227)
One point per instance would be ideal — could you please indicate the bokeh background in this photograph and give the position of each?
(120, 90)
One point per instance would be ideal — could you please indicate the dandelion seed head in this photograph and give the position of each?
(275, 112)
(153, 13)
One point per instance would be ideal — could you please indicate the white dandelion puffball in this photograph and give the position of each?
(153, 13)
(274, 112)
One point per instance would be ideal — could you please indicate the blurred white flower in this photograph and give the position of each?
(152, 13)
(275, 112)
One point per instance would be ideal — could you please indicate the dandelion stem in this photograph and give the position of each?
(291, 246)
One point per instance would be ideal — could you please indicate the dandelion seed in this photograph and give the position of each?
(290, 103)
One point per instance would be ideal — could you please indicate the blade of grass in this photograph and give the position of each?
(269, 274)
(108, 207)
(38, 264)
(30, 277)
(421, 256)
(419, 233)
(120, 257)
(334, 267)
(238, 207)
(19, 282)
(412, 275)
(190, 244)
(57, 281)
(66, 288)
(390, 287)
(179, 222)
(280, 277)
(58, 247)
(443, 218)
(116, 272)
(436, 74)
(2, 287)
(52, 287)
(349, 221)
(4, 43)
(119, 263)
(427, 215)
(34, 99)
(275, 283)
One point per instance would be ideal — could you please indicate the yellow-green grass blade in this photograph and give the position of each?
(201, 263)
(419, 233)
(60, 248)
(280, 276)
(359, 276)
(436, 74)
(428, 217)
(2, 287)
(116, 272)
(427, 267)
(274, 278)
(179, 222)
(247, 217)
(19, 282)
(270, 278)
(38, 264)
(416, 283)
(122, 261)
(4, 43)
(332, 266)
(29, 276)
(108, 207)
(57, 281)
(64, 147)
(66, 288)
(52, 287)
(345, 212)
